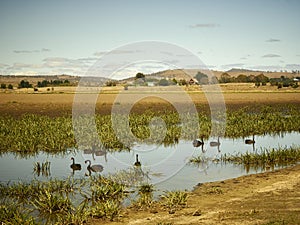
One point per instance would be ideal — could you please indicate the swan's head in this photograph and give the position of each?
(72, 158)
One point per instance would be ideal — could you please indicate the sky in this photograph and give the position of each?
(68, 36)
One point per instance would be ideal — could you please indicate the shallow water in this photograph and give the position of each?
(166, 167)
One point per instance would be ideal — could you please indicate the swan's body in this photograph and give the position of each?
(197, 142)
(250, 141)
(215, 143)
(137, 162)
(75, 166)
(94, 168)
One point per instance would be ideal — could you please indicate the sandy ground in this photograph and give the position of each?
(266, 198)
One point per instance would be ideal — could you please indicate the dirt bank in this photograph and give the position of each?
(266, 198)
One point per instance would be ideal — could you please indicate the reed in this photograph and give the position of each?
(145, 199)
(43, 168)
(174, 199)
(30, 134)
(11, 213)
(70, 201)
(199, 159)
(265, 157)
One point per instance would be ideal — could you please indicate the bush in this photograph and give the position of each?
(163, 82)
(10, 86)
(295, 85)
(3, 86)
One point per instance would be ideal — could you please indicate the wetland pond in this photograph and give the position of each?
(167, 167)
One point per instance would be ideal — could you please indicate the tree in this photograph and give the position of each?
(182, 82)
(140, 76)
(25, 84)
(44, 83)
(261, 78)
(225, 78)
(202, 78)
(111, 83)
(241, 78)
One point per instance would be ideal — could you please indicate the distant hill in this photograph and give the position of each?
(16, 79)
(180, 74)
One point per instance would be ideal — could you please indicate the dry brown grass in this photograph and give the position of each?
(59, 102)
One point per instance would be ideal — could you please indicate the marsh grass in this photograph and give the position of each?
(103, 189)
(214, 190)
(265, 157)
(198, 159)
(175, 199)
(110, 209)
(145, 199)
(11, 213)
(50, 205)
(43, 168)
(31, 133)
(70, 201)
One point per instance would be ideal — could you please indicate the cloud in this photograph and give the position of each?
(204, 25)
(245, 57)
(22, 51)
(265, 67)
(273, 40)
(167, 53)
(271, 56)
(61, 62)
(288, 67)
(45, 50)
(292, 66)
(31, 51)
(88, 59)
(100, 53)
(233, 65)
(3, 65)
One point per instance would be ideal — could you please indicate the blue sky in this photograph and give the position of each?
(65, 36)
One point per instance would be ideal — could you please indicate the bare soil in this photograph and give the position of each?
(265, 198)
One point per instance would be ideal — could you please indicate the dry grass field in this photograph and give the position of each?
(59, 101)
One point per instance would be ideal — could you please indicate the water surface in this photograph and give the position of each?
(165, 166)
